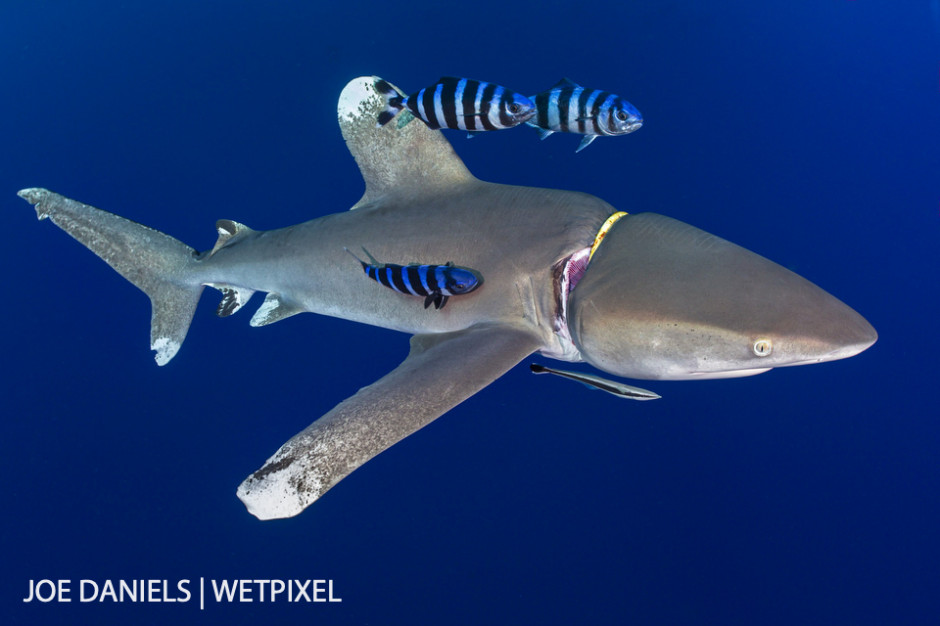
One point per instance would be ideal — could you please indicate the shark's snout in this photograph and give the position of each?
(855, 336)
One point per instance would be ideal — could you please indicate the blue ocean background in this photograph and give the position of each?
(807, 131)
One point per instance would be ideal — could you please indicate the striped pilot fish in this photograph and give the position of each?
(460, 103)
(570, 108)
(435, 282)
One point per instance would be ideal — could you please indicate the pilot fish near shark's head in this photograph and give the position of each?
(620, 118)
(570, 108)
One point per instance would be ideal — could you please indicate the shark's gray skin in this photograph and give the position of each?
(659, 300)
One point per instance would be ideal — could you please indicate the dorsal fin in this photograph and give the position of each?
(565, 82)
(400, 163)
(230, 232)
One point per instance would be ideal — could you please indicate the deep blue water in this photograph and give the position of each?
(806, 131)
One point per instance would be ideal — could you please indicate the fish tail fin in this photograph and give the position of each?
(159, 265)
(394, 103)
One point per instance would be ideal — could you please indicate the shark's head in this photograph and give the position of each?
(664, 300)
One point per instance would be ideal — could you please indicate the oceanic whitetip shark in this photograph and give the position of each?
(659, 299)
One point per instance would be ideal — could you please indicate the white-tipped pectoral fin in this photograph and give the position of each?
(440, 372)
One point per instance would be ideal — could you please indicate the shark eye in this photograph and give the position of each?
(763, 347)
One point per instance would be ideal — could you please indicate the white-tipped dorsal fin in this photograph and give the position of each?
(403, 159)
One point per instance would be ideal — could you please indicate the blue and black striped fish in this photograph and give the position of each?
(460, 103)
(570, 108)
(435, 282)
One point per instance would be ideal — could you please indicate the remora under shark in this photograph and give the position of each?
(659, 300)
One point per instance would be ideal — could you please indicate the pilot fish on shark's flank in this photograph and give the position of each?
(435, 282)
(458, 103)
(570, 108)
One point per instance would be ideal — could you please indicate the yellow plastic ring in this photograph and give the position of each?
(603, 231)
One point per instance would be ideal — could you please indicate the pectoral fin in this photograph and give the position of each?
(544, 133)
(585, 142)
(437, 299)
(441, 371)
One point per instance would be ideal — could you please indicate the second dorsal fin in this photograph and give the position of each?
(230, 232)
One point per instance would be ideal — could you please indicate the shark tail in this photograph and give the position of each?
(157, 264)
(394, 103)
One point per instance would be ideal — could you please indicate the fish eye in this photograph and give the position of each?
(622, 116)
(514, 107)
(763, 347)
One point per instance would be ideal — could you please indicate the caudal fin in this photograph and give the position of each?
(159, 265)
(394, 103)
